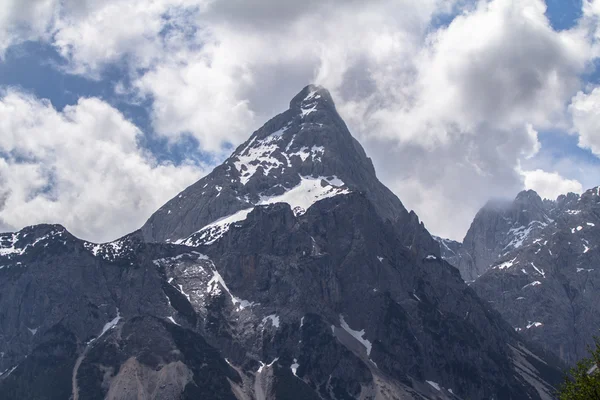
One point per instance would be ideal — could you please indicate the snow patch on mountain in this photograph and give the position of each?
(107, 327)
(507, 264)
(535, 283)
(307, 192)
(214, 231)
(534, 325)
(538, 270)
(111, 251)
(300, 198)
(434, 385)
(214, 289)
(294, 367)
(522, 233)
(258, 153)
(358, 335)
(274, 318)
(17, 243)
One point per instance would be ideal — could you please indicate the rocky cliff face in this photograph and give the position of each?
(548, 288)
(256, 283)
(86, 321)
(308, 148)
(543, 276)
(498, 228)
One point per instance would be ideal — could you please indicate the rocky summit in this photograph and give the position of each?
(299, 157)
(289, 272)
(538, 263)
(499, 227)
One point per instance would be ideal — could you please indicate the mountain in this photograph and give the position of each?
(86, 321)
(289, 272)
(499, 227)
(543, 273)
(302, 155)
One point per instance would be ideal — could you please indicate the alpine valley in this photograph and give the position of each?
(291, 272)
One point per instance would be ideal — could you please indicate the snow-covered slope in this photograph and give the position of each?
(300, 198)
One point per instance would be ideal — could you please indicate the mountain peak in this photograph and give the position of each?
(528, 195)
(299, 157)
(311, 95)
(35, 238)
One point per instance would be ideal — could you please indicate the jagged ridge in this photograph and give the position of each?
(541, 270)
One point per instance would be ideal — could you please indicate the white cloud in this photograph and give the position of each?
(81, 167)
(470, 111)
(550, 185)
(444, 111)
(215, 69)
(585, 110)
(22, 20)
(201, 96)
(92, 34)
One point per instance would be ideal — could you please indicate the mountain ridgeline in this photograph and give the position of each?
(306, 146)
(289, 272)
(538, 263)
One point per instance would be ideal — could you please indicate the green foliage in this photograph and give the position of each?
(579, 384)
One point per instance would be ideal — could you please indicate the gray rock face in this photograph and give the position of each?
(498, 228)
(307, 142)
(548, 288)
(329, 304)
(86, 321)
(450, 250)
(544, 276)
(315, 284)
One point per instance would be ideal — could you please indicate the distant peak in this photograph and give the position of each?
(311, 94)
(595, 191)
(496, 204)
(43, 229)
(528, 196)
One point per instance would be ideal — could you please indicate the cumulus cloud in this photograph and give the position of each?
(81, 167)
(92, 34)
(585, 110)
(445, 111)
(550, 185)
(470, 111)
(216, 70)
(22, 20)
(200, 96)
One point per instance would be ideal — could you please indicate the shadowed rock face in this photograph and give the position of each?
(545, 281)
(86, 321)
(318, 295)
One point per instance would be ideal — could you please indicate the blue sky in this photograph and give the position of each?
(39, 69)
(183, 82)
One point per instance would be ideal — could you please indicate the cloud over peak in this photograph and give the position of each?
(448, 97)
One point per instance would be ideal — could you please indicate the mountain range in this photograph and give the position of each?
(538, 263)
(288, 272)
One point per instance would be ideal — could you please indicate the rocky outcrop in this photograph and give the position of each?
(270, 311)
(537, 262)
(548, 287)
(86, 321)
(498, 228)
